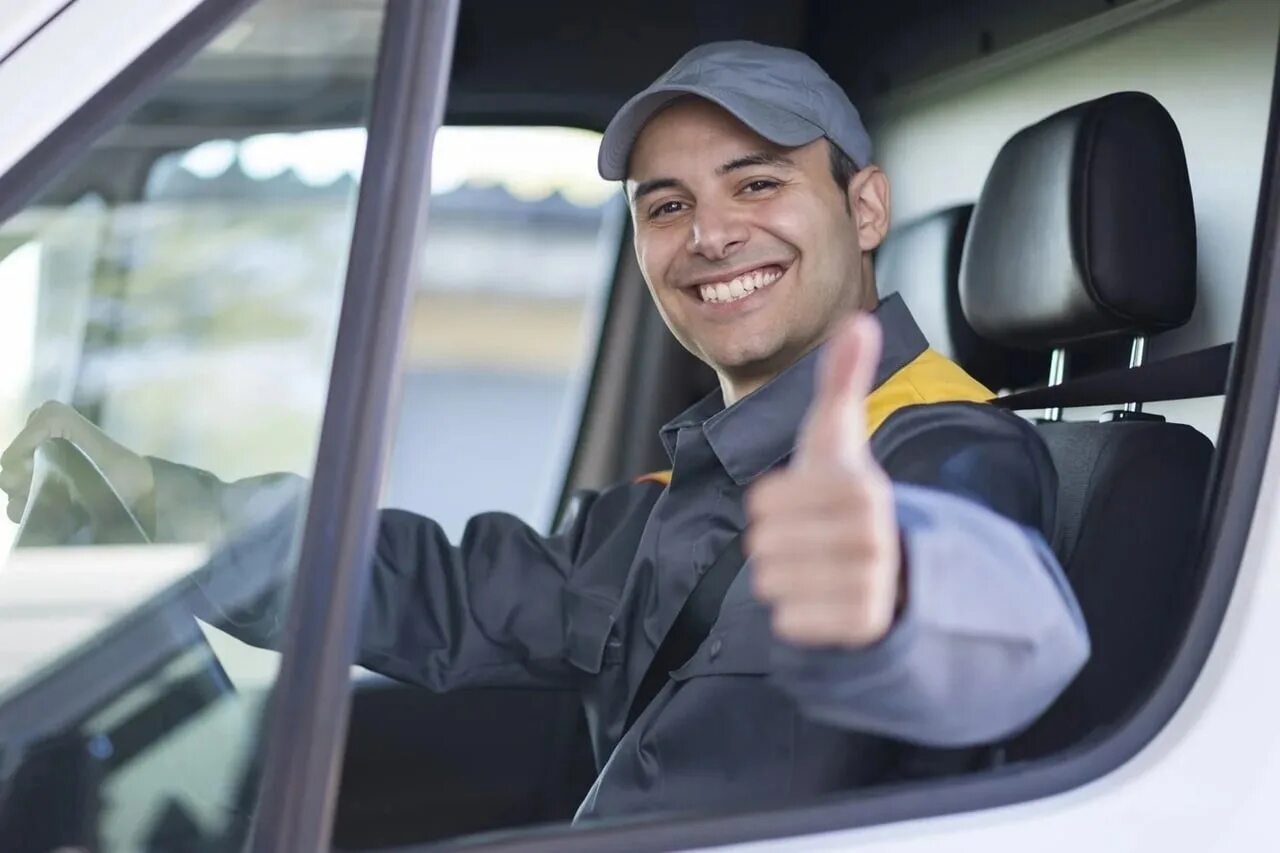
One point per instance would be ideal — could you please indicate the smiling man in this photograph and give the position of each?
(899, 608)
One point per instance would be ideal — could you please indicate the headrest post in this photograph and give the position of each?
(1137, 356)
(1057, 375)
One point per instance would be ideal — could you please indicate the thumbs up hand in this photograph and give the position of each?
(821, 535)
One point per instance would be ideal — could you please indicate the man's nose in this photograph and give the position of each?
(717, 232)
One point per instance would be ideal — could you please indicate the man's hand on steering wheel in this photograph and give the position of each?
(128, 473)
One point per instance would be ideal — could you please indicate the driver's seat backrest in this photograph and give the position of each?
(1084, 231)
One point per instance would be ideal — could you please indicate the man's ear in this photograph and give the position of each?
(870, 202)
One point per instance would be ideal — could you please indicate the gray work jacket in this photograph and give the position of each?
(989, 635)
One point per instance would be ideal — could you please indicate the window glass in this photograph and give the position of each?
(501, 330)
(193, 320)
(245, 247)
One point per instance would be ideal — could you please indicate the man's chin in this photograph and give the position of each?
(749, 362)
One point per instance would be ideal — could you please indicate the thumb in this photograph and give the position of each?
(835, 428)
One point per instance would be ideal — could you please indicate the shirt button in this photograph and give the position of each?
(714, 651)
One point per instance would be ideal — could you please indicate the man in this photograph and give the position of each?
(900, 601)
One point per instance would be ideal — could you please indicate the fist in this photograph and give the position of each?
(822, 536)
(128, 473)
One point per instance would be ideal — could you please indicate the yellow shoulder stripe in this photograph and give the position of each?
(928, 378)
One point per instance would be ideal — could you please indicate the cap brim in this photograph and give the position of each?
(779, 126)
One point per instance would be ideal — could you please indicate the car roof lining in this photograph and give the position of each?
(517, 63)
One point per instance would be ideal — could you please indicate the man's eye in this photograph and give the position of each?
(760, 185)
(666, 209)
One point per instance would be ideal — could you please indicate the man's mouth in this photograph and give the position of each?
(740, 286)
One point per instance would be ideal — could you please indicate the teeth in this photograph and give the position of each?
(739, 287)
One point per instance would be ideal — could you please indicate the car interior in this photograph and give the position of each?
(1131, 484)
(1075, 186)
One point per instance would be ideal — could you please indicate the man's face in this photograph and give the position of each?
(749, 249)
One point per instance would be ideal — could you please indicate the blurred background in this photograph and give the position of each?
(197, 321)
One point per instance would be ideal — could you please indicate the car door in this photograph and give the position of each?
(260, 331)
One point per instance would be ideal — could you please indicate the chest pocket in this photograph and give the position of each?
(738, 644)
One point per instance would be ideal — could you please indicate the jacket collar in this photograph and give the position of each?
(760, 430)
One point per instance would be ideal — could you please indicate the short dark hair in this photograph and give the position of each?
(842, 170)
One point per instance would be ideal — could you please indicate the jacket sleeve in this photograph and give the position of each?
(990, 632)
(488, 611)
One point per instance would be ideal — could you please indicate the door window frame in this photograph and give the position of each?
(308, 719)
(24, 23)
(52, 117)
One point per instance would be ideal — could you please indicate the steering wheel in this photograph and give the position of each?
(71, 502)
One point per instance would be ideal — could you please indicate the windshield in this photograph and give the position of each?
(190, 325)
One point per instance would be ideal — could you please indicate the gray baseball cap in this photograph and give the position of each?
(781, 94)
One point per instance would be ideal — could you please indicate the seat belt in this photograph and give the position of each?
(1202, 373)
(693, 623)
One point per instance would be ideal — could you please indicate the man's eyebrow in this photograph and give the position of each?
(759, 158)
(644, 188)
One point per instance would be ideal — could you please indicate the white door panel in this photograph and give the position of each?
(21, 18)
(46, 79)
(1209, 781)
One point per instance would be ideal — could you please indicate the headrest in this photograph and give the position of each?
(1085, 228)
(920, 260)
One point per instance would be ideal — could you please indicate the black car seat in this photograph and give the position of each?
(920, 260)
(1085, 231)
